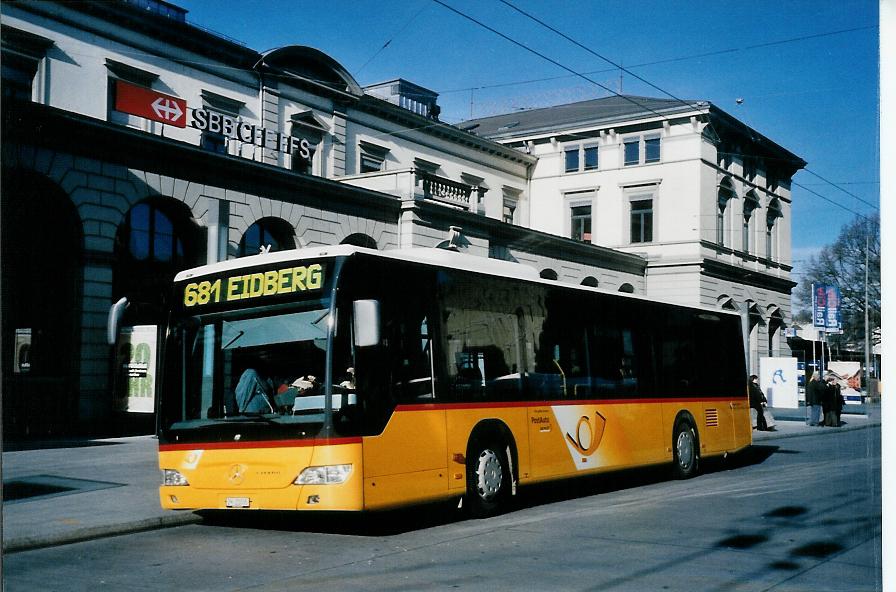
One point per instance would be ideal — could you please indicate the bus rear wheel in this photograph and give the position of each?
(488, 479)
(685, 450)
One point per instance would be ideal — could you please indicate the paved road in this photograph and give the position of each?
(795, 514)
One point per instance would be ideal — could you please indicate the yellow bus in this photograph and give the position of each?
(344, 378)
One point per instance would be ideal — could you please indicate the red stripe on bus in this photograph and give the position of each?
(505, 405)
(258, 444)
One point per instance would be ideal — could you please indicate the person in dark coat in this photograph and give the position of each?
(757, 400)
(832, 416)
(814, 395)
(827, 402)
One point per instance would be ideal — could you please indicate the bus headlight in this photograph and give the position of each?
(326, 475)
(172, 477)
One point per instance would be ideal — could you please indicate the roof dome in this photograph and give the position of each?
(309, 64)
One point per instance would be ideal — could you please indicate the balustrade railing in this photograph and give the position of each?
(445, 190)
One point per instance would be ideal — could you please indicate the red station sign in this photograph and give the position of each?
(145, 102)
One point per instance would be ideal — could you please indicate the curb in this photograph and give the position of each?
(30, 543)
(783, 435)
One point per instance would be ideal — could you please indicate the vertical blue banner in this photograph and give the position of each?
(832, 313)
(826, 307)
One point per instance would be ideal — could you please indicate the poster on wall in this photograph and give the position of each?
(849, 376)
(22, 354)
(779, 380)
(136, 364)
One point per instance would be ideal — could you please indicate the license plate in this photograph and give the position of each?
(237, 502)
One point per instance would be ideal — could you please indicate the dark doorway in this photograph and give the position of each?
(41, 276)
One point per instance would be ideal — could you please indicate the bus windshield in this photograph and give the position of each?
(259, 366)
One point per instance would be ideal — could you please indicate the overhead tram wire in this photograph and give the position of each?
(594, 53)
(609, 61)
(665, 61)
(392, 38)
(831, 201)
(553, 61)
(850, 193)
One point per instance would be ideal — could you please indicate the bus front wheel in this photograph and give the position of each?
(488, 479)
(685, 449)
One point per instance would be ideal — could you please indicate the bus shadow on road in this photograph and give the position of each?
(558, 491)
(378, 523)
(413, 518)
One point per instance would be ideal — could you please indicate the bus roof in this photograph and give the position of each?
(432, 256)
(427, 256)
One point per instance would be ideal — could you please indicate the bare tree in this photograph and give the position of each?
(843, 263)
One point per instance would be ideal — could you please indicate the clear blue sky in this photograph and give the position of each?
(807, 71)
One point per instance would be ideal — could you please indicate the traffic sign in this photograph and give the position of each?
(145, 102)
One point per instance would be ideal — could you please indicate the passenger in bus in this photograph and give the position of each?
(253, 393)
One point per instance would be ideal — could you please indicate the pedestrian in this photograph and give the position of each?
(827, 402)
(837, 402)
(814, 394)
(757, 400)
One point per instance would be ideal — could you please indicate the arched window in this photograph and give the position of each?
(771, 228)
(267, 232)
(156, 239)
(726, 193)
(627, 289)
(751, 202)
(548, 274)
(590, 281)
(727, 303)
(775, 322)
(359, 240)
(149, 235)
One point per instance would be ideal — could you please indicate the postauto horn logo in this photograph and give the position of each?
(583, 433)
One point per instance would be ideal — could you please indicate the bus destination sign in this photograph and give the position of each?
(254, 285)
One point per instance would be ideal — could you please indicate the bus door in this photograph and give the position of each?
(405, 458)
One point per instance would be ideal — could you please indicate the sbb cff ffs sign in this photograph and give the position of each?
(144, 102)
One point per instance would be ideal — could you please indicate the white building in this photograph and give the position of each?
(702, 197)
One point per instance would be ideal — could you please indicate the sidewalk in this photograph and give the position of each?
(83, 490)
(87, 490)
(791, 423)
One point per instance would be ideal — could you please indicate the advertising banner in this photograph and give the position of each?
(136, 363)
(826, 307)
(849, 376)
(779, 380)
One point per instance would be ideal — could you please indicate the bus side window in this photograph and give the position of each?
(484, 357)
(677, 356)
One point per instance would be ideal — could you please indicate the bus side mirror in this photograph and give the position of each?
(366, 326)
(114, 320)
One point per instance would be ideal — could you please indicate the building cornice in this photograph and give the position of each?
(741, 275)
